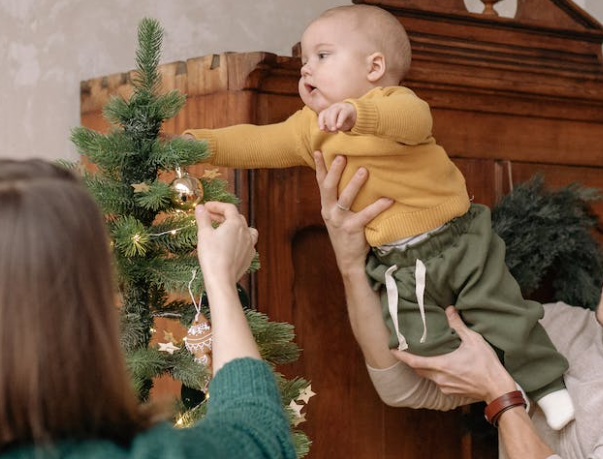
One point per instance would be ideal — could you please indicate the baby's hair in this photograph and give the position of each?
(385, 32)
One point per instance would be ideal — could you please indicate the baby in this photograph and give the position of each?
(432, 247)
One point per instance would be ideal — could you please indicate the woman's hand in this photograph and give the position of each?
(225, 251)
(473, 370)
(224, 254)
(346, 228)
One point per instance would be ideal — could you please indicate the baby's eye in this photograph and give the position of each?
(322, 55)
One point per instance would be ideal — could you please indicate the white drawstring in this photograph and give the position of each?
(392, 300)
(420, 291)
(392, 303)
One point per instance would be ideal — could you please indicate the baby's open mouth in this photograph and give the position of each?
(309, 87)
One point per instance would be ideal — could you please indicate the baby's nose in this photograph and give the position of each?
(305, 70)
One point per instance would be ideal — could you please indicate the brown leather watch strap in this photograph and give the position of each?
(503, 403)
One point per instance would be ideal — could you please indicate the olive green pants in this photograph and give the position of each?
(465, 267)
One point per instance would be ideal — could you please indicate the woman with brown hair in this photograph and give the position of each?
(64, 388)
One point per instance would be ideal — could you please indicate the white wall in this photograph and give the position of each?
(48, 46)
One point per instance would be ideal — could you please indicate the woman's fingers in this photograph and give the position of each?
(223, 209)
(202, 216)
(416, 361)
(456, 323)
(372, 210)
(321, 168)
(349, 193)
(328, 182)
(254, 235)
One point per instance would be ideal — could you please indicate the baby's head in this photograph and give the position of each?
(349, 50)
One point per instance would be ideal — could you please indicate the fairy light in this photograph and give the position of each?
(136, 237)
(171, 232)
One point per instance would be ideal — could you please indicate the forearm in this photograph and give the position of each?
(403, 118)
(248, 146)
(364, 310)
(519, 437)
(232, 337)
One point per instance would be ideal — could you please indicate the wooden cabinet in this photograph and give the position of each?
(510, 97)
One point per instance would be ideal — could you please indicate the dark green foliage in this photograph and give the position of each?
(157, 198)
(153, 242)
(549, 234)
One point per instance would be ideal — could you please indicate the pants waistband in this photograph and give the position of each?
(435, 243)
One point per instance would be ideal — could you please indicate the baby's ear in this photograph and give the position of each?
(376, 63)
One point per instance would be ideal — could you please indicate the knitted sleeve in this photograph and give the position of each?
(398, 115)
(245, 419)
(400, 386)
(248, 146)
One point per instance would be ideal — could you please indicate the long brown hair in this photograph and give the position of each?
(62, 371)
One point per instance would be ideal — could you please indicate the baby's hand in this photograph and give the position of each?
(338, 117)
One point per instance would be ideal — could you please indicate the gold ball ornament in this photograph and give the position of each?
(199, 339)
(187, 191)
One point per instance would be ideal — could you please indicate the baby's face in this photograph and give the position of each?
(335, 63)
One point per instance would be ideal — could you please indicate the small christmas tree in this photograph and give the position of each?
(154, 237)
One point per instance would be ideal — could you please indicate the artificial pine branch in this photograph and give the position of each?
(113, 196)
(157, 198)
(145, 364)
(108, 152)
(549, 234)
(187, 371)
(150, 35)
(178, 152)
(217, 187)
(130, 236)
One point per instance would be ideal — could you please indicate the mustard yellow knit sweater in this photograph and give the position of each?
(392, 139)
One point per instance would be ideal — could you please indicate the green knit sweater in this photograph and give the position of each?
(245, 420)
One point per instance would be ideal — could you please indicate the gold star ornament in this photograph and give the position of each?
(140, 187)
(168, 347)
(211, 173)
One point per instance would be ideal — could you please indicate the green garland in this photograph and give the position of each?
(550, 240)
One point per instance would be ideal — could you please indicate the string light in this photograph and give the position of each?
(172, 232)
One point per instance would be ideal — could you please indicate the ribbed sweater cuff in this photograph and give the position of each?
(208, 136)
(366, 116)
(243, 379)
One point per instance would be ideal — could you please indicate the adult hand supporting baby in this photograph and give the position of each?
(346, 228)
(346, 231)
(473, 370)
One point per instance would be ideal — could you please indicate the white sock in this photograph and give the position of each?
(558, 408)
